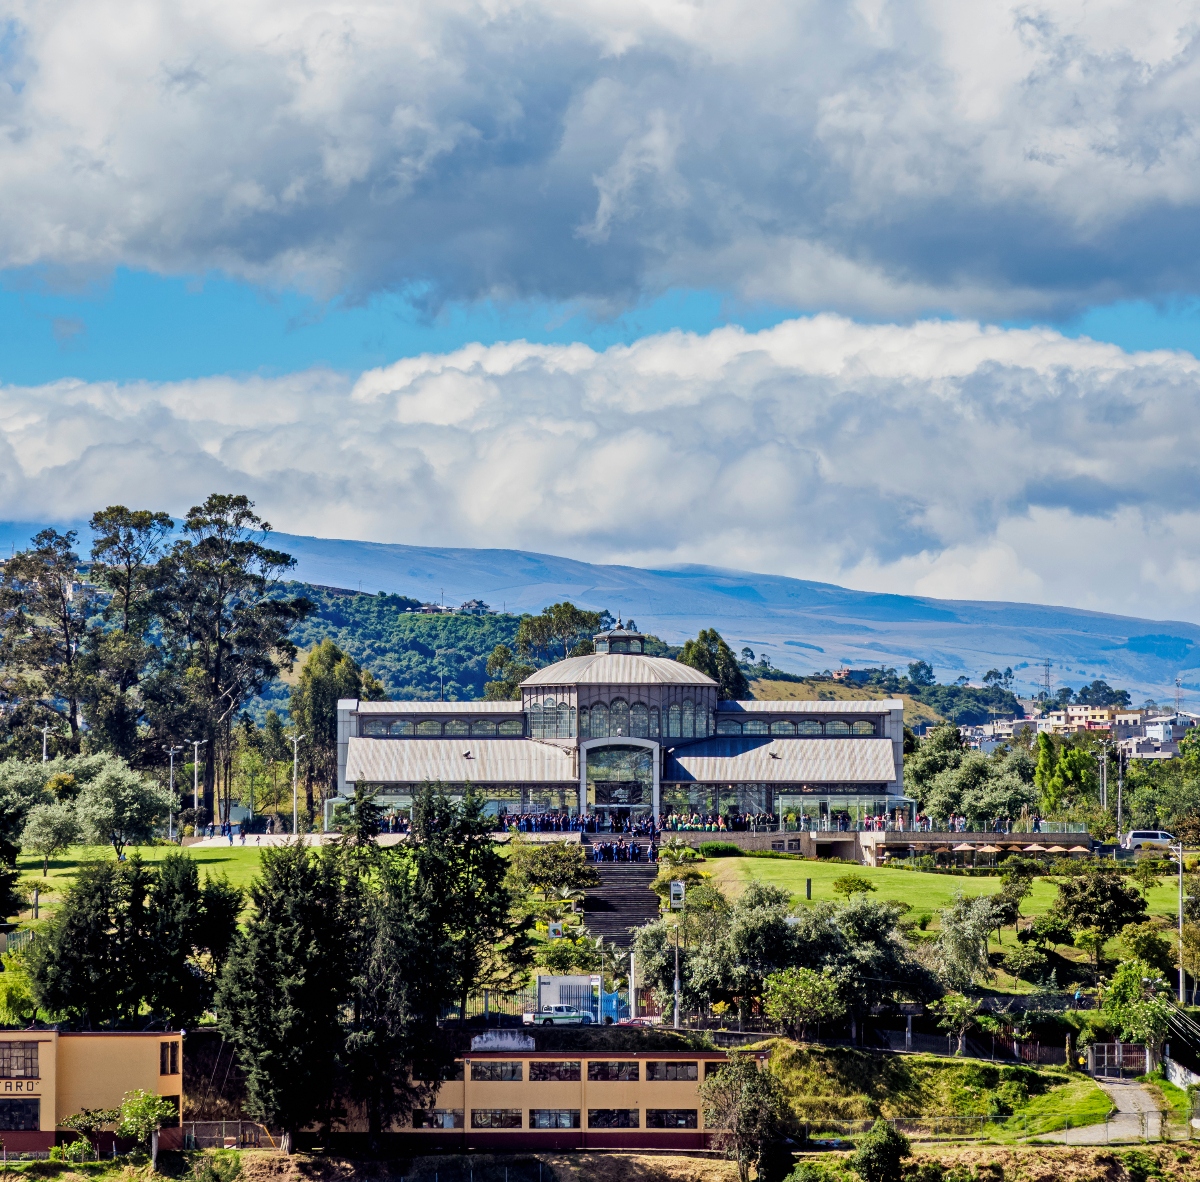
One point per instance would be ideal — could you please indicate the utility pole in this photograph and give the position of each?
(1105, 744)
(295, 798)
(677, 989)
(1120, 786)
(1179, 852)
(171, 811)
(45, 737)
(196, 745)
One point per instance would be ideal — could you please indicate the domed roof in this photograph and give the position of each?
(618, 669)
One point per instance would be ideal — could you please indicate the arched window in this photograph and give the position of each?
(456, 727)
(429, 727)
(599, 721)
(618, 716)
(585, 727)
(808, 726)
(755, 726)
(863, 727)
(535, 720)
(712, 724)
(571, 731)
(512, 726)
(654, 727)
(673, 721)
(374, 726)
(639, 721)
(619, 646)
(783, 728)
(689, 719)
(402, 726)
(837, 727)
(564, 720)
(729, 726)
(483, 727)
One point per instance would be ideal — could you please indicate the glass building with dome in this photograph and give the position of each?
(622, 735)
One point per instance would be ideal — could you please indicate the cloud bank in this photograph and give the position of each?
(882, 157)
(942, 458)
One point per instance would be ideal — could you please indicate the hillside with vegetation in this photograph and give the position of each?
(812, 689)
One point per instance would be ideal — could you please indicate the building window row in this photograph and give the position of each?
(549, 719)
(785, 727)
(18, 1060)
(554, 1118)
(680, 720)
(435, 728)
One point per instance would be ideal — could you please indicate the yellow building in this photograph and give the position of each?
(524, 1099)
(48, 1075)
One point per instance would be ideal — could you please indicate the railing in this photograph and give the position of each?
(15, 941)
(226, 1134)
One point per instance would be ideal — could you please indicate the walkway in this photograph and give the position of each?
(1137, 1117)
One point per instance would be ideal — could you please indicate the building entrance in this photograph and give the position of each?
(620, 782)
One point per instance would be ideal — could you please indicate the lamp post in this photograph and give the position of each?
(1179, 851)
(295, 798)
(45, 737)
(171, 811)
(196, 745)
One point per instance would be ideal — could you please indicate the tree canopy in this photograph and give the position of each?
(712, 656)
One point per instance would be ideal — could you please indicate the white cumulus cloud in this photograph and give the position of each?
(885, 156)
(943, 458)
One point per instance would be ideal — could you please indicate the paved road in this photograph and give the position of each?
(1137, 1116)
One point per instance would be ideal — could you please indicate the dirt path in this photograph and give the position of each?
(1137, 1116)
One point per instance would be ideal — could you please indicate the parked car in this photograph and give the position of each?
(643, 1021)
(1148, 839)
(558, 1016)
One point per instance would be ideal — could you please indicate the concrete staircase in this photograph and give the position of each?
(623, 900)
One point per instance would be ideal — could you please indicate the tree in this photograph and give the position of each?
(942, 748)
(802, 997)
(361, 821)
(1137, 1000)
(920, 673)
(89, 1121)
(225, 628)
(127, 547)
(120, 807)
(91, 960)
(44, 610)
(282, 989)
(962, 945)
(1146, 942)
(852, 883)
(327, 676)
(1100, 693)
(549, 867)
(1099, 899)
(744, 1110)
(956, 1014)
(712, 656)
(142, 1115)
(560, 626)
(507, 673)
(1047, 761)
(879, 1154)
(49, 829)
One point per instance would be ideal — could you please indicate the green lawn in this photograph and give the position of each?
(239, 863)
(922, 891)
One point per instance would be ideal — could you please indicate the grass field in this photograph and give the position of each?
(238, 863)
(764, 690)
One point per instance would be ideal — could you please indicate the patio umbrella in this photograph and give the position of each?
(1057, 849)
(963, 849)
(1035, 849)
(989, 849)
(1079, 849)
(942, 849)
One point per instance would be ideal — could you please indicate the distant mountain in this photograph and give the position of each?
(803, 626)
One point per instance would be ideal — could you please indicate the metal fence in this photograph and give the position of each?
(481, 1168)
(1118, 1060)
(226, 1134)
(15, 941)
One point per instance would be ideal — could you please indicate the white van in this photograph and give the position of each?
(1148, 839)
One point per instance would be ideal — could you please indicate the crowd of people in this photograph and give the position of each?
(718, 823)
(624, 851)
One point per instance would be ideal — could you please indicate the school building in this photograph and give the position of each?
(49, 1075)
(521, 1099)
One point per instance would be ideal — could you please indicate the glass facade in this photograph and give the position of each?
(620, 780)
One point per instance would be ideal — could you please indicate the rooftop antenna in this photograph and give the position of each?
(1046, 678)
(1178, 694)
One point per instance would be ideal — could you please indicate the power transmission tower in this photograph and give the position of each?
(1046, 679)
(1178, 694)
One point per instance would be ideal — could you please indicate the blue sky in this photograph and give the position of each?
(285, 249)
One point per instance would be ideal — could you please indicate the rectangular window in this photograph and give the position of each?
(20, 1115)
(497, 1072)
(612, 1072)
(671, 1118)
(168, 1058)
(18, 1060)
(554, 1118)
(553, 1071)
(438, 1118)
(713, 1066)
(663, 1071)
(495, 1118)
(613, 1118)
(172, 1122)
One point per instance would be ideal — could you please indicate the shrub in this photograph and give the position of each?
(222, 1166)
(1026, 962)
(720, 849)
(78, 1150)
(878, 1156)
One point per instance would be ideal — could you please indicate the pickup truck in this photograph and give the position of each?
(558, 1016)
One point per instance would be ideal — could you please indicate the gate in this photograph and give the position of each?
(1118, 1060)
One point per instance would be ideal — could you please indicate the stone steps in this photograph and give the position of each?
(622, 900)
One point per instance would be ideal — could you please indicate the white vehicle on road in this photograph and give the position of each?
(1148, 839)
(558, 1016)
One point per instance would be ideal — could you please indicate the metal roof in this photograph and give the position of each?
(618, 669)
(773, 761)
(876, 706)
(491, 761)
(513, 708)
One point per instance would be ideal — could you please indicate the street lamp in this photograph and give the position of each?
(196, 745)
(295, 798)
(171, 810)
(1179, 850)
(45, 735)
